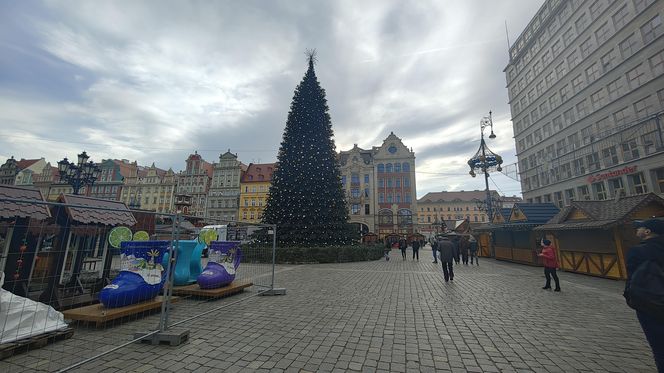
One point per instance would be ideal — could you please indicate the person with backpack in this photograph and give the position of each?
(548, 255)
(644, 289)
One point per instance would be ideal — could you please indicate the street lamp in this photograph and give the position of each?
(80, 174)
(485, 160)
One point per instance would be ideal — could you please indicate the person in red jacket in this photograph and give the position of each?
(548, 255)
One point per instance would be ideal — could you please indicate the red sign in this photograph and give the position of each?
(611, 174)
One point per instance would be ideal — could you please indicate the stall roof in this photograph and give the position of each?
(98, 211)
(600, 214)
(536, 213)
(10, 209)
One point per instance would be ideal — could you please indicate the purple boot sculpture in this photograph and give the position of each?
(224, 258)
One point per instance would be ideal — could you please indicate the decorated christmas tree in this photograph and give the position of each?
(306, 199)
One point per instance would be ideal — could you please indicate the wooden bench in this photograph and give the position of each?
(196, 291)
(99, 315)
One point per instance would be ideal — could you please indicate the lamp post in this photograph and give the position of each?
(80, 174)
(485, 160)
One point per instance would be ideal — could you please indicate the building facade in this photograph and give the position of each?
(586, 88)
(435, 208)
(396, 204)
(224, 196)
(358, 180)
(254, 189)
(195, 181)
(149, 188)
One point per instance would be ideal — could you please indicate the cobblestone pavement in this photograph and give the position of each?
(378, 316)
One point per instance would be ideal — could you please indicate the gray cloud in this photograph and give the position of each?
(154, 82)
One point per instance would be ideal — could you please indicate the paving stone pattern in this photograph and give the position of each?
(380, 316)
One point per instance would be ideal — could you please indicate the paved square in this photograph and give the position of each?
(379, 316)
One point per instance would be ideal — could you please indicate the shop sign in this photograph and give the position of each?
(611, 174)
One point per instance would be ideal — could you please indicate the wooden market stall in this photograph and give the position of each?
(511, 236)
(593, 237)
(18, 239)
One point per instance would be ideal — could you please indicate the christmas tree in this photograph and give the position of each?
(306, 199)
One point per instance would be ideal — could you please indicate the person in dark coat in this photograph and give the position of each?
(416, 249)
(446, 254)
(434, 249)
(457, 252)
(651, 248)
(473, 250)
(402, 247)
(463, 248)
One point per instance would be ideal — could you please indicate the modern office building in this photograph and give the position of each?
(586, 90)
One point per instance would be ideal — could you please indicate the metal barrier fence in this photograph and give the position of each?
(142, 265)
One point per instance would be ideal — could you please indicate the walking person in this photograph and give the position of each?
(643, 289)
(455, 243)
(472, 242)
(446, 254)
(416, 249)
(463, 247)
(548, 255)
(402, 247)
(434, 249)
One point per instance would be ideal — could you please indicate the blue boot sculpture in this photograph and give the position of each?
(141, 274)
(224, 258)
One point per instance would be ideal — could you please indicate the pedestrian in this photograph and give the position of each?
(473, 250)
(416, 249)
(434, 249)
(643, 289)
(446, 254)
(402, 247)
(548, 255)
(455, 243)
(463, 247)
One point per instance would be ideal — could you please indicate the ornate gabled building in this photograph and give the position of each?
(14, 172)
(47, 181)
(396, 205)
(358, 181)
(148, 188)
(109, 184)
(254, 189)
(224, 196)
(195, 181)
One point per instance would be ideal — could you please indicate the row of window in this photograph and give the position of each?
(584, 17)
(598, 99)
(252, 202)
(396, 198)
(626, 48)
(622, 118)
(643, 140)
(386, 217)
(475, 218)
(354, 179)
(603, 190)
(395, 182)
(609, 156)
(456, 208)
(396, 167)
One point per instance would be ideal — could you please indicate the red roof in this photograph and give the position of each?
(258, 172)
(11, 209)
(25, 163)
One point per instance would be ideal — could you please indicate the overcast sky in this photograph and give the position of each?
(154, 81)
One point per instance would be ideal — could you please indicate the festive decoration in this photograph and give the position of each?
(306, 199)
(19, 262)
